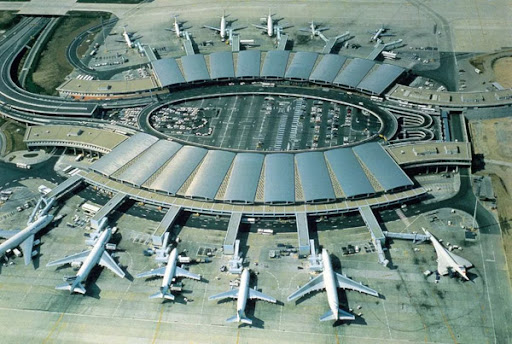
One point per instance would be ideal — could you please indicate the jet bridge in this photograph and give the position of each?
(282, 42)
(170, 217)
(63, 188)
(231, 234)
(111, 205)
(303, 232)
(373, 226)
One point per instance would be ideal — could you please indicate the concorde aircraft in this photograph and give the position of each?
(330, 281)
(243, 293)
(97, 255)
(168, 273)
(447, 261)
(25, 238)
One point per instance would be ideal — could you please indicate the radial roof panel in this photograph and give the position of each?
(210, 175)
(354, 72)
(194, 68)
(379, 80)
(279, 177)
(244, 178)
(275, 64)
(348, 172)
(380, 164)
(123, 153)
(314, 177)
(221, 65)
(327, 69)
(301, 65)
(178, 169)
(168, 72)
(248, 64)
(150, 161)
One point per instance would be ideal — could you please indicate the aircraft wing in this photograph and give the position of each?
(346, 283)
(108, 262)
(211, 28)
(170, 29)
(233, 293)
(316, 283)
(155, 272)
(8, 234)
(79, 257)
(254, 294)
(180, 272)
(260, 26)
(461, 261)
(26, 248)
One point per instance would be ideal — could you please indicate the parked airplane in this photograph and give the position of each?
(330, 281)
(380, 32)
(242, 294)
(168, 272)
(270, 29)
(177, 29)
(25, 238)
(222, 29)
(447, 261)
(88, 259)
(314, 29)
(128, 38)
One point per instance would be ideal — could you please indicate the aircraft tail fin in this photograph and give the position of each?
(162, 295)
(342, 315)
(239, 317)
(73, 288)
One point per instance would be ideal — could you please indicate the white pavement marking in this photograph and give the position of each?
(488, 296)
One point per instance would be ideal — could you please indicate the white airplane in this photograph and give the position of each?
(243, 293)
(331, 281)
(447, 261)
(314, 29)
(270, 29)
(168, 272)
(222, 29)
(380, 33)
(128, 38)
(24, 238)
(89, 258)
(176, 27)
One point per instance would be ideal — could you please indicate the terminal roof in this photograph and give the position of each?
(274, 65)
(379, 80)
(168, 72)
(380, 164)
(349, 172)
(354, 72)
(244, 178)
(248, 64)
(149, 162)
(178, 170)
(210, 175)
(194, 68)
(301, 66)
(124, 153)
(221, 65)
(314, 177)
(327, 69)
(279, 174)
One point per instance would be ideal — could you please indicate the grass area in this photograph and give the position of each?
(14, 133)
(53, 66)
(8, 19)
(504, 203)
(112, 1)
